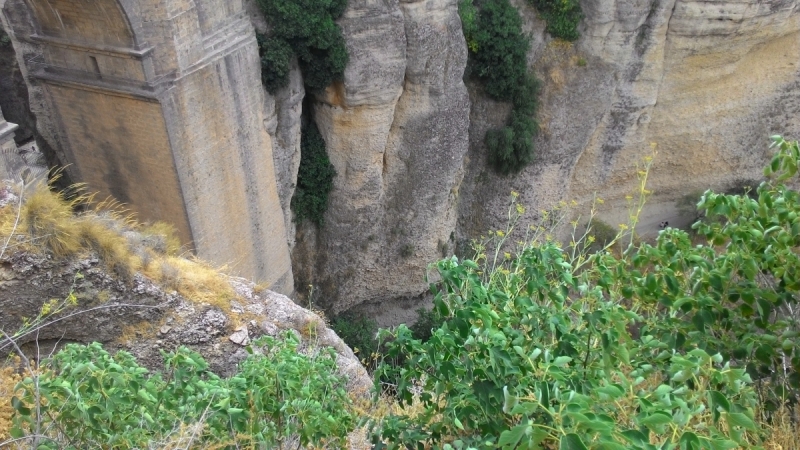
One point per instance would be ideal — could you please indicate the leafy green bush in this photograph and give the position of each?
(314, 177)
(96, 400)
(309, 29)
(498, 59)
(359, 333)
(427, 322)
(562, 17)
(276, 60)
(656, 348)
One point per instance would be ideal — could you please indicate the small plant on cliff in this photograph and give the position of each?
(306, 29)
(5, 40)
(562, 17)
(498, 59)
(314, 177)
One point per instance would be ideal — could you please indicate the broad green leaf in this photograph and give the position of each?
(510, 438)
(741, 420)
(657, 418)
(719, 400)
(572, 441)
(562, 361)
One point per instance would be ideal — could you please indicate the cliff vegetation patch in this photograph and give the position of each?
(497, 59)
(562, 17)
(305, 29)
(314, 177)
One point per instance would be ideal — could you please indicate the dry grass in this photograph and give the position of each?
(48, 222)
(784, 432)
(196, 280)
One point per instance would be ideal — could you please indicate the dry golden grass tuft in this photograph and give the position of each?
(162, 238)
(784, 430)
(48, 222)
(194, 279)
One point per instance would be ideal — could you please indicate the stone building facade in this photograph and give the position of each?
(158, 103)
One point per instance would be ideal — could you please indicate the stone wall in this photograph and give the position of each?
(158, 103)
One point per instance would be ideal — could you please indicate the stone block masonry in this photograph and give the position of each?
(158, 104)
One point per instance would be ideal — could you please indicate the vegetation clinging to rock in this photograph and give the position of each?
(498, 59)
(314, 177)
(562, 17)
(306, 29)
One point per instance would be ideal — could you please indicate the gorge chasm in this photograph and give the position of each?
(703, 82)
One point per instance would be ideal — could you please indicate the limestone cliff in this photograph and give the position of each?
(396, 131)
(706, 82)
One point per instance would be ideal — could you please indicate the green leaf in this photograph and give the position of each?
(689, 441)
(741, 420)
(613, 392)
(635, 437)
(719, 400)
(562, 361)
(510, 438)
(572, 441)
(657, 418)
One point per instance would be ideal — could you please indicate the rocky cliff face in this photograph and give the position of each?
(397, 132)
(707, 83)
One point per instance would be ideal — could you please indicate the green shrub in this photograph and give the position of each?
(309, 29)
(469, 15)
(314, 177)
(5, 40)
(562, 17)
(671, 345)
(511, 147)
(427, 322)
(276, 60)
(498, 59)
(359, 333)
(500, 62)
(96, 400)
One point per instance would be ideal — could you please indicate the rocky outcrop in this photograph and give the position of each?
(144, 318)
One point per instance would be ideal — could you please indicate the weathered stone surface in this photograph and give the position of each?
(14, 92)
(141, 317)
(396, 131)
(706, 82)
(159, 104)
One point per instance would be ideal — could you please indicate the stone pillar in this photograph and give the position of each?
(158, 103)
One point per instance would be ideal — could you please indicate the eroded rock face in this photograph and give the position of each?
(706, 83)
(143, 318)
(396, 131)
